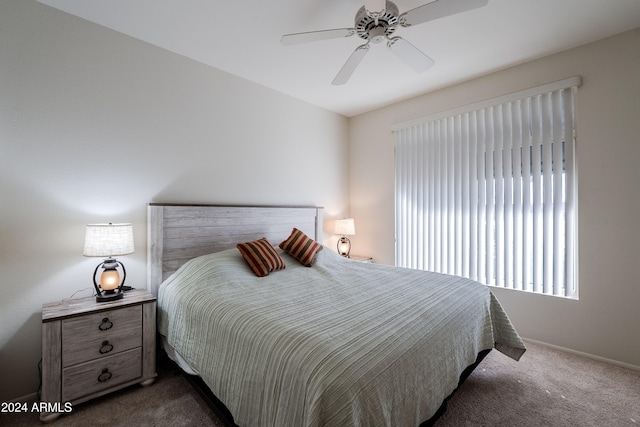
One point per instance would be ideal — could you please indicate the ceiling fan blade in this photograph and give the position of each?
(375, 6)
(410, 54)
(438, 9)
(350, 66)
(312, 36)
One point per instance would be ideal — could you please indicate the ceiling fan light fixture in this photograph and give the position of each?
(377, 34)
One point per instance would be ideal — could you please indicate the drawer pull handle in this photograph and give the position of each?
(105, 375)
(106, 324)
(106, 347)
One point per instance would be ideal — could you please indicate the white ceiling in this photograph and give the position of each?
(243, 38)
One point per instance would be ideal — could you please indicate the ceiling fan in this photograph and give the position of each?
(377, 21)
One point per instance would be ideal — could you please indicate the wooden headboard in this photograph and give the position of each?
(176, 233)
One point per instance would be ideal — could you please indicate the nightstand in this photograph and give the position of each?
(361, 258)
(90, 349)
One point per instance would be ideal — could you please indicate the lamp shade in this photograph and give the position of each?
(345, 227)
(108, 240)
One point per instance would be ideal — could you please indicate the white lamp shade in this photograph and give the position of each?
(108, 240)
(345, 227)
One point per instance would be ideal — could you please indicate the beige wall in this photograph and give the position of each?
(605, 320)
(94, 125)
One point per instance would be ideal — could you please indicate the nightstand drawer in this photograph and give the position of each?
(101, 334)
(91, 377)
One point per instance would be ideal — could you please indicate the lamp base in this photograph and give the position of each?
(344, 246)
(112, 296)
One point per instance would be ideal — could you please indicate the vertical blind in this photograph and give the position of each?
(488, 192)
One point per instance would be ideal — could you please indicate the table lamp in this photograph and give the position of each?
(345, 227)
(109, 240)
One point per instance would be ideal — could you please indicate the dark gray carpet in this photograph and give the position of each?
(170, 401)
(546, 388)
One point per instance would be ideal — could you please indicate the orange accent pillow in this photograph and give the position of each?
(301, 247)
(261, 256)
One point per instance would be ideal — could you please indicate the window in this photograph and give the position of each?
(488, 192)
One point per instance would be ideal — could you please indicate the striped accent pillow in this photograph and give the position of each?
(261, 256)
(301, 247)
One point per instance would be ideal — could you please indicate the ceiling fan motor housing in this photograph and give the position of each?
(376, 28)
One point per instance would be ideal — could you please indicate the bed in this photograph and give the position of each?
(339, 343)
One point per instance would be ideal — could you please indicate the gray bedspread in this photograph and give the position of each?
(341, 343)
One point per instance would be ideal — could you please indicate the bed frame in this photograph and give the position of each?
(177, 232)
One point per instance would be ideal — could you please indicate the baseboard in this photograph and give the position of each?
(28, 398)
(587, 355)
